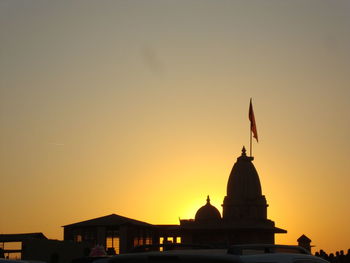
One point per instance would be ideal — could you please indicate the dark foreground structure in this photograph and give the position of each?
(36, 246)
(243, 221)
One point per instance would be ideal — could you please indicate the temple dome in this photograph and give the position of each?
(244, 183)
(207, 212)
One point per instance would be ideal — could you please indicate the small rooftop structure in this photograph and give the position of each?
(304, 242)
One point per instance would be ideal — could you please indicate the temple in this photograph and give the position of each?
(243, 220)
(244, 217)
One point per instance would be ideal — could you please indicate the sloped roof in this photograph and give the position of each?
(20, 237)
(109, 220)
(303, 238)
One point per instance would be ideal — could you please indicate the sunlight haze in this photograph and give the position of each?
(140, 108)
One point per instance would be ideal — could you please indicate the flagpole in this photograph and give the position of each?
(250, 141)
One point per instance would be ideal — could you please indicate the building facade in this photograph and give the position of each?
(116, 233)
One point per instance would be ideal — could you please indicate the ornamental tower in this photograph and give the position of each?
(244, 200)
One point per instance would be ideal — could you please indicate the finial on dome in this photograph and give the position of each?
(244, 151)
(208, 200)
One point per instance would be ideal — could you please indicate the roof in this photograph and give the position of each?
(304, 238)
(266, 225)
(281, 258)
(250, 249)
(208, 256)
(20, 237)
(226, 227)
(183, 256)
(168, 227)
(109, 220)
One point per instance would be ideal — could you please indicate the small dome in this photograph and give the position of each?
(207, 212)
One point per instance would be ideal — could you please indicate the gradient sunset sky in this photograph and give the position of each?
(140, 108)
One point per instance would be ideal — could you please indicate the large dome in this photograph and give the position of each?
(243, 183)
(207, 212)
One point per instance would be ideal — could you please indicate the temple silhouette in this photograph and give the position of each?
(244, 217)
(243, 221)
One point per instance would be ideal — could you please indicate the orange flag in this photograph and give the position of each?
(252, 121)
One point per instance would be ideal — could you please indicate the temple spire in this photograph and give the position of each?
(244, 151)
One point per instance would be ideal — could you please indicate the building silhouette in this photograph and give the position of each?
(305, 242)
(244, 217)
(37, 247)
(116, 233)
(243, 221)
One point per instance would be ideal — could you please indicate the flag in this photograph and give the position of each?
(252, 121)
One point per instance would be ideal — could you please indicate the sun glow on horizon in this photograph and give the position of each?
(141, 109)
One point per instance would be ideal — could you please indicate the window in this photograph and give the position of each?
(112, 245)
(78, 238)
(136, 241)
(112, 242)
(148, 241)
(13, 248)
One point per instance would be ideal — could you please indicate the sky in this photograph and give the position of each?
(140, 108)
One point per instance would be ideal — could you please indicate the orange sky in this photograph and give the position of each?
(141, 109)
